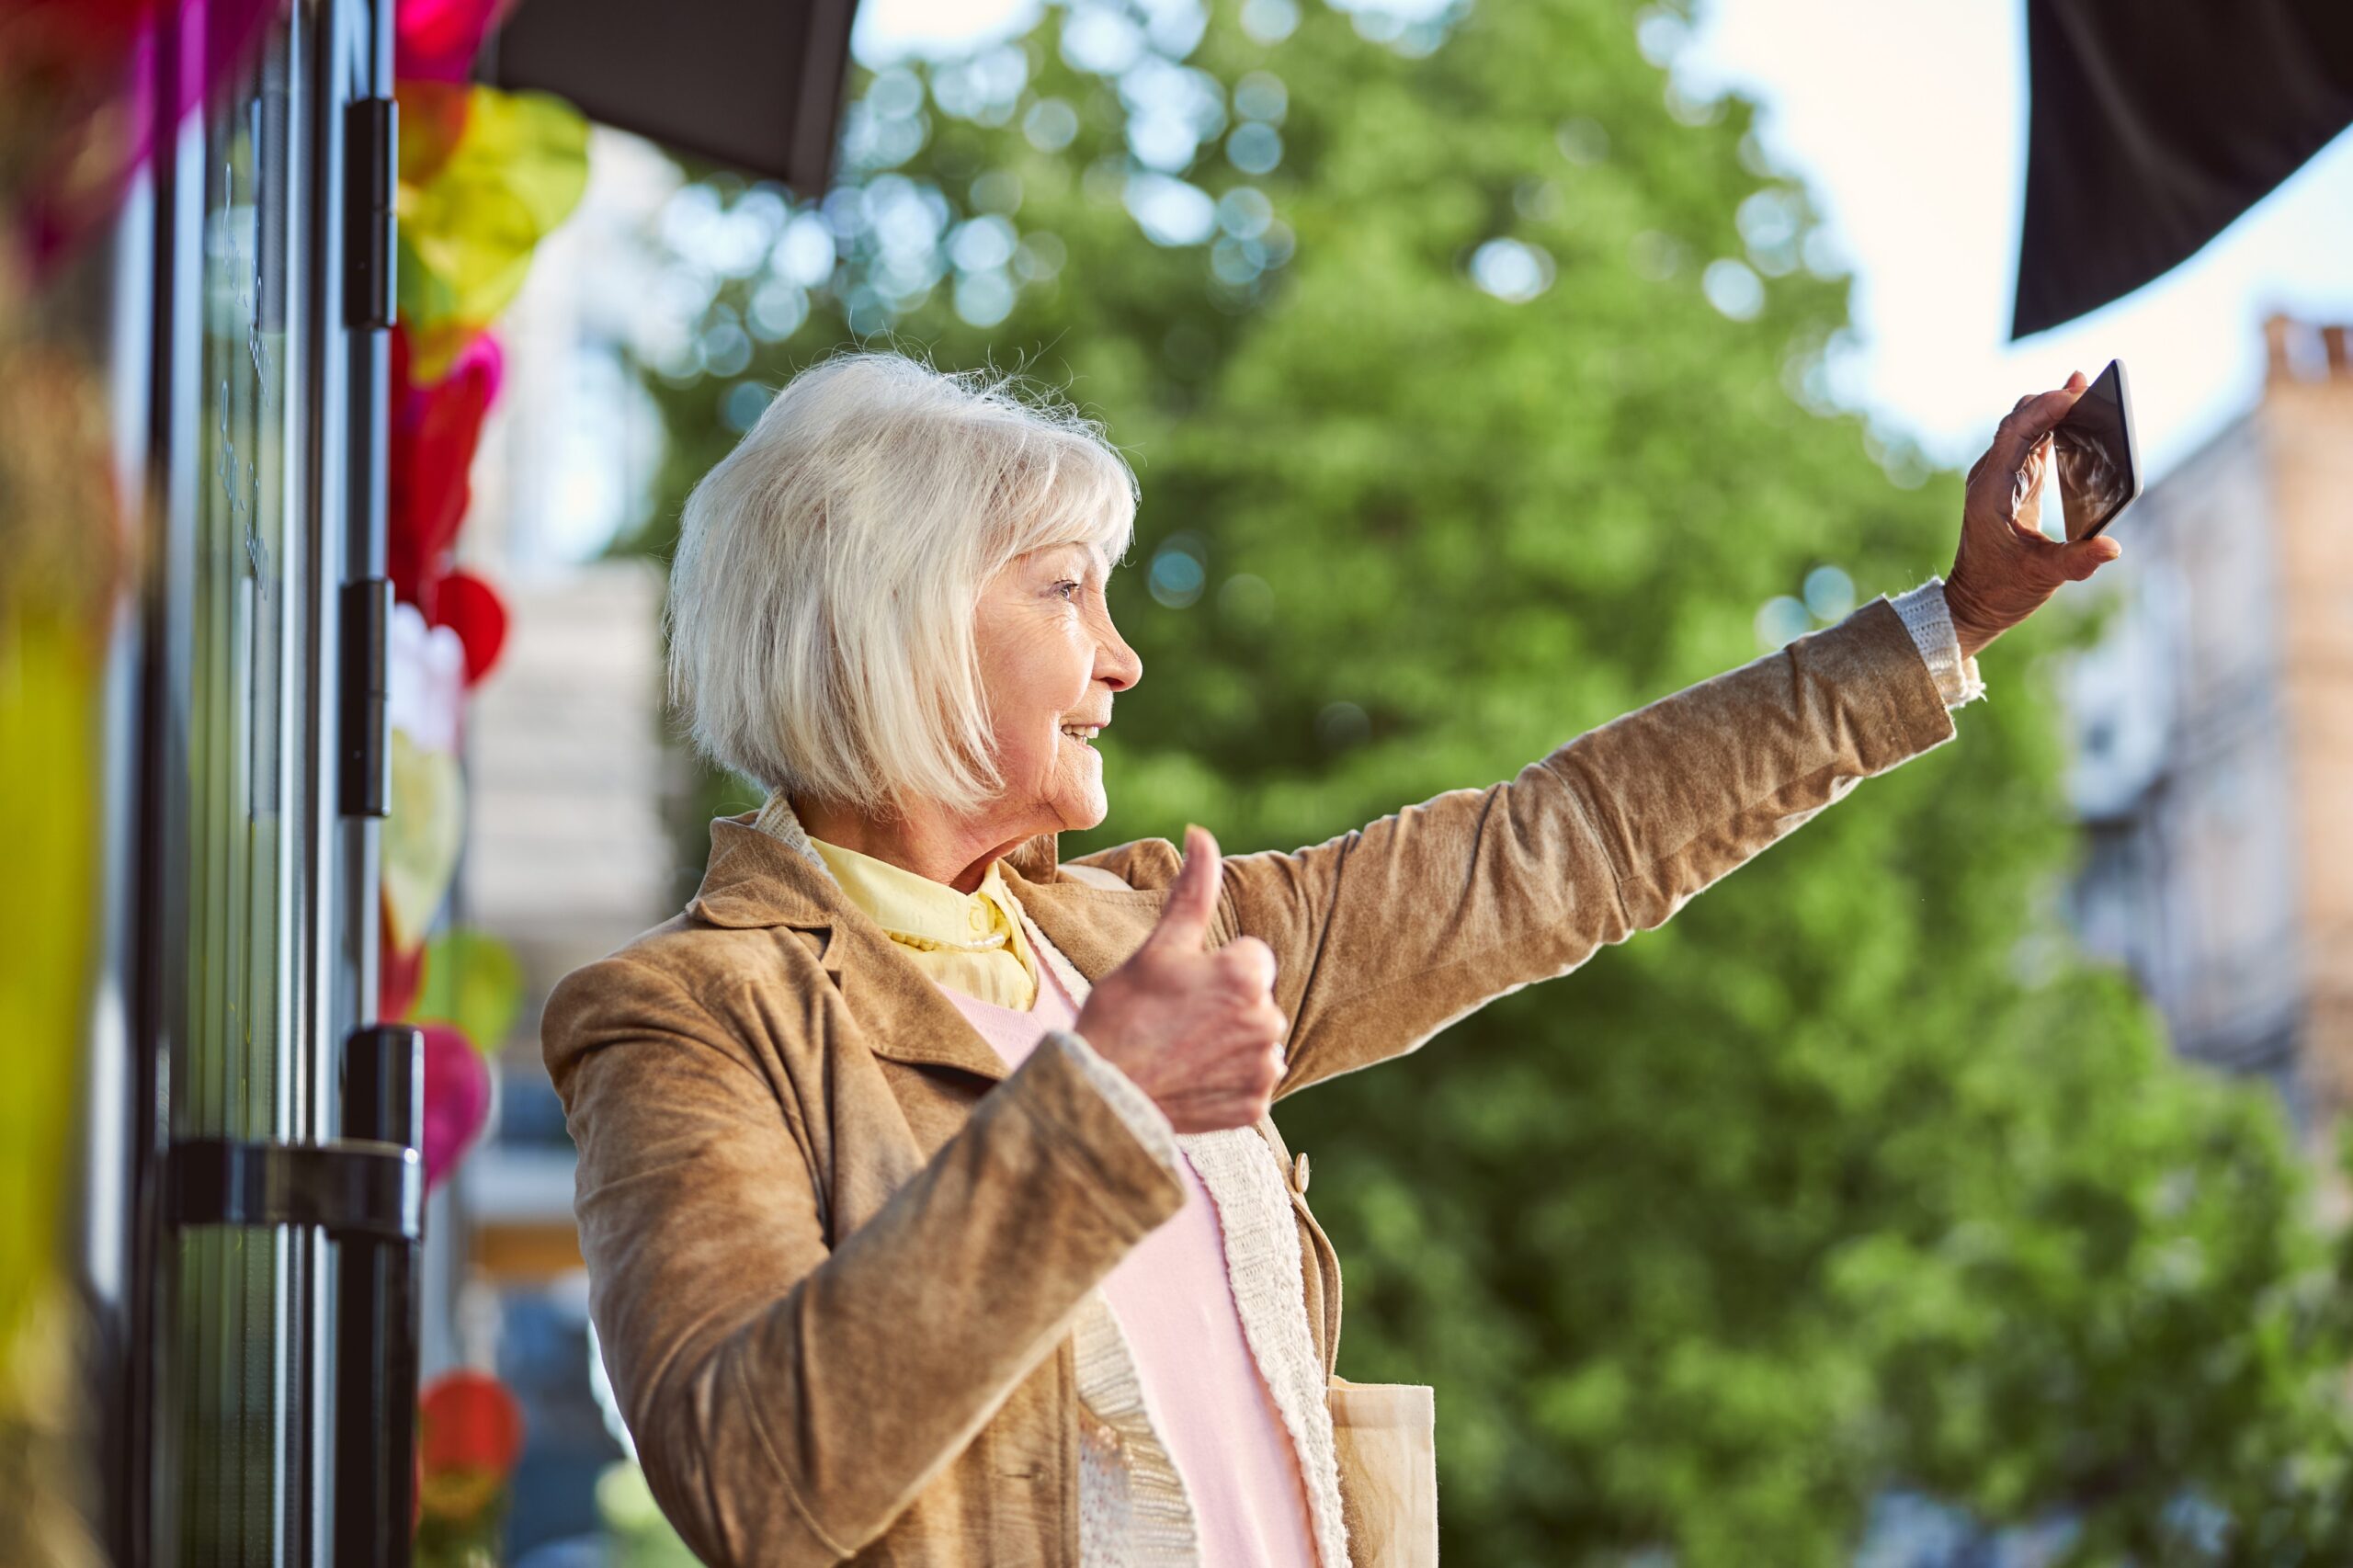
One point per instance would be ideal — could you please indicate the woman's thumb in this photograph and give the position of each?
(2087, 556)
(1192, 898)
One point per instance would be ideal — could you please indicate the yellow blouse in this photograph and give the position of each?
(970, 942)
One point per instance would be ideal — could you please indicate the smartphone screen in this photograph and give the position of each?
(2092, 449)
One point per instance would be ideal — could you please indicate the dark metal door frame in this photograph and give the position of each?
(339, 1218)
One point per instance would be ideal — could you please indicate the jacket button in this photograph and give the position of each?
(1299, 1171)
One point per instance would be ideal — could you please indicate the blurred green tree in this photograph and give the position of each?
(1477, 378)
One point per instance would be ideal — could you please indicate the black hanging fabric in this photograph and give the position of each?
(756, 84)
(2154, 124)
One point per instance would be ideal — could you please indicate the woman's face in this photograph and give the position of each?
(1050, 661)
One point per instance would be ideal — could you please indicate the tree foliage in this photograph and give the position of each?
(1476, 383)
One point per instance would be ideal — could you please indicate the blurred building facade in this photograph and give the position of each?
(2211, 730)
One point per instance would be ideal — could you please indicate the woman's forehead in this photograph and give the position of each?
(1085, 552)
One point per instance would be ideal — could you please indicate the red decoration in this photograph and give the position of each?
(471, 608)
(436, 429)
(470, 1432)
(469, 1421)
(433, 121)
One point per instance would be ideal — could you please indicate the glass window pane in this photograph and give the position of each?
(229, 1073)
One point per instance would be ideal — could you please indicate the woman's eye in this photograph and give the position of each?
(1061, 588)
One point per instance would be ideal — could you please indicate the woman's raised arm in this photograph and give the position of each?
(789, 1397)
(1385, 935)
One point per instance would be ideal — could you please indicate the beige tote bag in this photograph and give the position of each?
(1385, 1436)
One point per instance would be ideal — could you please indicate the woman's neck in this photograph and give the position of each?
(930, 843)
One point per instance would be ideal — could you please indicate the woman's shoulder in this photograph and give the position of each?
(1144, 865)
(685, 976)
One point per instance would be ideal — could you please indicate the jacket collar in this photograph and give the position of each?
(757, 880)
(754, 879)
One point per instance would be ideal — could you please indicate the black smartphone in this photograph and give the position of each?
(2098, 468)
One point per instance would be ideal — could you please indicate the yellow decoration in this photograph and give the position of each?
(48, 706)
(471, 980)
(468, 229)
(63, 562)
(421, 839)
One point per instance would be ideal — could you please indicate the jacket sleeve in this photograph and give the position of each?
(789, 1398)
(1385, 935)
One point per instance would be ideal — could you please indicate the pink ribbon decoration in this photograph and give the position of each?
(436, 41)
(86, 71)
(457, 1099)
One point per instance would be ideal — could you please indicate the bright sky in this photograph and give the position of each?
(1908, 119)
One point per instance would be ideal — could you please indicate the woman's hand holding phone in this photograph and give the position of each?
(2005, 567)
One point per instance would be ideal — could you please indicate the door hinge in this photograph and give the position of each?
(364, 789)
(367, 1186)
(366, 1190)
(351, 1187)
(371, 148)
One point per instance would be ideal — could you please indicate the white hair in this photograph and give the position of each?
(828, 571)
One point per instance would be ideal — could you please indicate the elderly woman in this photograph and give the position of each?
(932, 1210)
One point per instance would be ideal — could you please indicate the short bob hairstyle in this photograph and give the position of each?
(822, 600)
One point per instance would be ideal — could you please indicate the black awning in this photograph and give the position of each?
(753, 84)
(2156, 124)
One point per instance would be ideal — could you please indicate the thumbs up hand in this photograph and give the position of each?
(1198, 1031)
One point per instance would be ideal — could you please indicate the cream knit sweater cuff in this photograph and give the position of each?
(1145, 1119)
(1929, 619)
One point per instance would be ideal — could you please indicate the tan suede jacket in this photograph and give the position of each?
(835, 1251)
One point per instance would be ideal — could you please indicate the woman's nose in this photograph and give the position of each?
(1115, 661)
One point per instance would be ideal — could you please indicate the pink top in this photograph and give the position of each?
(1175, 1306)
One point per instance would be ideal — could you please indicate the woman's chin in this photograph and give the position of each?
(1081, 809)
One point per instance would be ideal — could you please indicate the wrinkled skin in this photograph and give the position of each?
(2006, 568)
